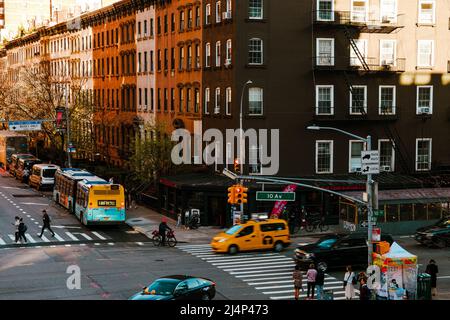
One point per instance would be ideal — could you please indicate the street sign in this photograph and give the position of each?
(378, 213)
(365, 224)
(370, 169)
(275, 196)
(370, 157)
(25, 125)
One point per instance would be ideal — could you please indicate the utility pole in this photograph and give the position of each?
(369, 206)
(69, 160)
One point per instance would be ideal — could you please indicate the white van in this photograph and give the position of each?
(43, 176)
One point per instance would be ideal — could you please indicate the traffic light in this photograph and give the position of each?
(241, 194)
(237, 167)
(232, 195)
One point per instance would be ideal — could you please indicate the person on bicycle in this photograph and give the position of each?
(163, 228)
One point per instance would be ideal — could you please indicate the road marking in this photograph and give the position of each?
(304, 285)
(34, 204)
(110, 243)
(139, 243)
(85, 236)
(2, 243)
(45, 238)
(243, 265)
(96, 244)
(268, 266)
(98, 235)
(12, 237)
(263, 275)
(32, 219)
(68, 245)
(444, 277)
(30, 238)
(71, 236)
(250, 261)
(58, 237)
(262, 271)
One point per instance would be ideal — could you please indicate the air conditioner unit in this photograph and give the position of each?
(216, 110)
(227, 62)
(386, 168)
(226, 15)
(424, 110)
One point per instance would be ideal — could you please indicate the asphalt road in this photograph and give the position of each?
(115, 262)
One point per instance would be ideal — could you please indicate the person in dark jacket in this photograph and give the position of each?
(432, 270)
(364, 291)
(22, 230)
(320, 279)
(46, 223)
(163, 228)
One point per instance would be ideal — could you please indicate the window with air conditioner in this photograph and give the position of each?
(324, 100)
(423, 154)
(388, 11)
(387, 155)
(324, 156)
(425, 53)
(424, 100)
(325, 52)
(355, 149)
(358, 100)
(427, 11)
(387, 52)
(325, 10)
(359, 10)
(361, 45)
(387, 100)
(228, 53)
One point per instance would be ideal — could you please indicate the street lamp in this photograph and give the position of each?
(368, 147)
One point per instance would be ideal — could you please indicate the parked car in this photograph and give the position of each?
(15, 161)
(336, 250)
(24, 167)
(43, 176)
(178, 288)
(437, 234)
(253, 235)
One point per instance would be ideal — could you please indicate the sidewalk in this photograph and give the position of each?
(145, 221)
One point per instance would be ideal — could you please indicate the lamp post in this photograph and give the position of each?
(368, 147)
(241, 140)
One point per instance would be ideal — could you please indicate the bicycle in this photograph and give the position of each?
(171, 241)
(318, 223)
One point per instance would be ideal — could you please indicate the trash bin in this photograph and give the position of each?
(328, 295)
(423, 286)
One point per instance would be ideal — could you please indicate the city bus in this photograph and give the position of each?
(100, 202)
(65, 188)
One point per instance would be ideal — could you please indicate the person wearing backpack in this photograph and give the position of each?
(349, 283)
(22, 229)
(46, 224)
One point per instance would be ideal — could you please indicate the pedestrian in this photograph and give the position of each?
(349, 282)
(46, 223)
(298, 277)
(186, 219)
(311, 281)
(163, 227)
(16, 225)
(179, 220)
(364, 291)
(432, 270)
(22, 229)
(320, 280)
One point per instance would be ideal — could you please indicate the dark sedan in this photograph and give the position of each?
(337, 250)
(437, 234)
(178, 288)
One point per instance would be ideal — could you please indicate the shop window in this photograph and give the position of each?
(406, 212)
(391, 213)
(420, 212)
(434, 211)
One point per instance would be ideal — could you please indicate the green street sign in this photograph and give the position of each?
(275, 196)
(378, 213)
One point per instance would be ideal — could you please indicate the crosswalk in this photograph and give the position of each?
(268, 272)
(60, 237)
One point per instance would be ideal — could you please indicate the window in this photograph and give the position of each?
(425, 53)
(387, 101)
(181, 99)
(217, 108)
(427, 11)
(172, 99)
(358, 100)
(387, 155)
(325, 52)
(324, 156)
(181, 21)
(197, 56)
(425, 99)
(255, 51)
(359, 11)
(207, 100)
(181, 62)
(188, 99)
(255, 101)
(228, 52)
(166, 24)
(355, 149)
(388, 11)
(387, 52)
(196, 100)
(362, 48)
(208, 14)
(228, 101)
(324, 100)
(166, 99)
(218, 12)
(218, 54)
(208, 55)
(190, 19)
(423, 154)
(255, 9)
(197, 17)
(325, 10)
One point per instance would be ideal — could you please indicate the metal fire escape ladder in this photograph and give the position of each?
(398, 145)
(356, 49)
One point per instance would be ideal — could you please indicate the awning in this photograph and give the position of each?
(405, 196)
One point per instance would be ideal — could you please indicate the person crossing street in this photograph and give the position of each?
(46, 223)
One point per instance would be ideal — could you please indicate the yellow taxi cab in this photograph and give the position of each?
(253, 235)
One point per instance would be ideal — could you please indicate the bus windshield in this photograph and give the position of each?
(49, 173)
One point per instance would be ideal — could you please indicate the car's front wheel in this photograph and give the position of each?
(233, 249)
(278, 246)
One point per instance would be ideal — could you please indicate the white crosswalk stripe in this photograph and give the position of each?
(2, 243)
(72, 237)
(269, 273)
(9, 239)
(30, 238)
